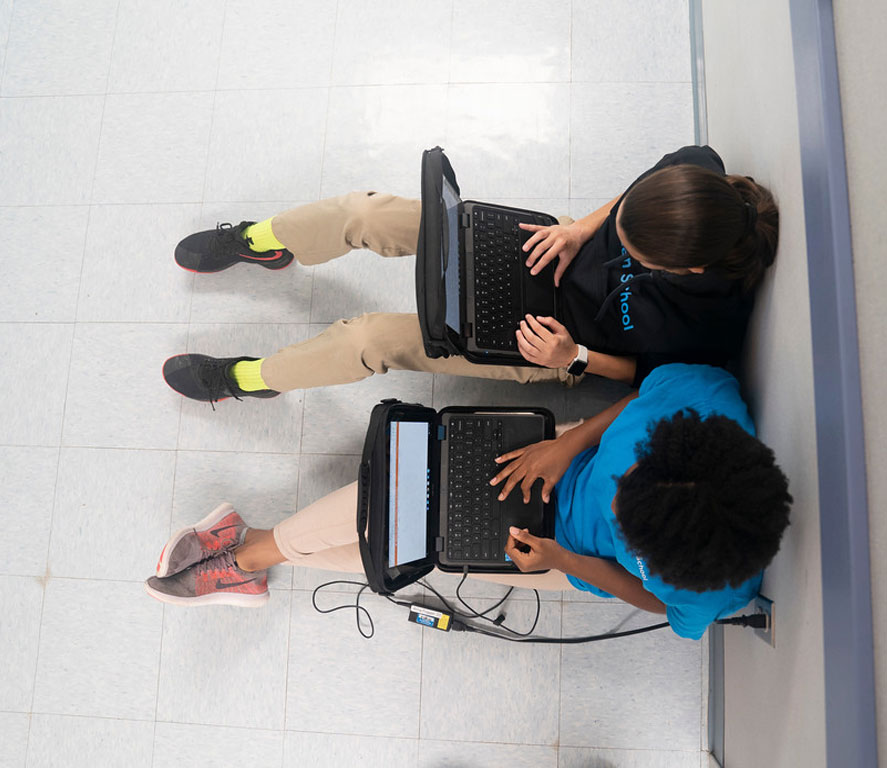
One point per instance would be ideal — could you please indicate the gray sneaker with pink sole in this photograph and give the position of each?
(214, 581)
(221, 530)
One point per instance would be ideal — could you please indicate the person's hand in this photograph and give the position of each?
(542, 554)
(547, 460)
(545, 341)
(558, 240)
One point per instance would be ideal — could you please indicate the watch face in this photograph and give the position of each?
(580, 363)
(577, 367)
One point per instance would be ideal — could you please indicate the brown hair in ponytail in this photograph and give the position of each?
(687, 216)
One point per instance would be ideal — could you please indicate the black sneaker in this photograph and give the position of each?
(223, 247)
(201, 377)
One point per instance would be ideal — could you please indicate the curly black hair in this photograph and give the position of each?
(706, 505)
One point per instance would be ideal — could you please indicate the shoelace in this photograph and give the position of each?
(224, 564)
(211, 374)
(224, 232)
(218, 563)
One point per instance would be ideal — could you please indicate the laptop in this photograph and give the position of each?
(484, 288)
(432, 504)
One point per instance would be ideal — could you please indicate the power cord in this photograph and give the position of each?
(356, 604)
(757, 620)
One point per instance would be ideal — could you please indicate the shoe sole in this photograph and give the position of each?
(258, 260)
(225, 508)
(213, 598)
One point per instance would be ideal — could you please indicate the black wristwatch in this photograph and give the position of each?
(580, 362)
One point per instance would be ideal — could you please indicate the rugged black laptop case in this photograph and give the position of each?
(372, 496)
(438, 339)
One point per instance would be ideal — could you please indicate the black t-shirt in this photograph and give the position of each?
(613, 304)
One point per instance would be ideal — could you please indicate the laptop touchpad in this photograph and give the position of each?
(539, 291)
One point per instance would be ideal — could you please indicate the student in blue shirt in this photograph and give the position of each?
(665, 500)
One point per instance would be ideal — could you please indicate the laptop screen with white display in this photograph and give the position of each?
(408, 484)
(451, 257)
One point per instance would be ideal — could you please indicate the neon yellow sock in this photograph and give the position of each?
(248, 375)
(262, 238)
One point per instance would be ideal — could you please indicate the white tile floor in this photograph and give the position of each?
(126, 124)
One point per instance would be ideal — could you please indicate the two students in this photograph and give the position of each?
(680, 520)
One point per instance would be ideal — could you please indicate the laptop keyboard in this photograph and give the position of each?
(473, 516)
(497, 265)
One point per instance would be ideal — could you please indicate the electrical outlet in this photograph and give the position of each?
(767, 607)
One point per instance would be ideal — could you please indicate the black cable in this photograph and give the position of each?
(356, 604)
(459, 626)
(496, 622)
(757, 620)
(474, 613)
(482, 614)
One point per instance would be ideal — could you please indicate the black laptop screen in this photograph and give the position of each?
(451, 257)
(408, 476)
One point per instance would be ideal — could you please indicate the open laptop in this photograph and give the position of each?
(438, 506)
(486, 289)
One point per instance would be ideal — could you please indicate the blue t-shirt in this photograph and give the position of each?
(586, 523)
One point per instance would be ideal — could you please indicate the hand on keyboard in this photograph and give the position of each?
(559, 240)
(547, 460)
(545, 341)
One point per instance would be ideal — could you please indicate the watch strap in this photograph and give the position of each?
(580, 362)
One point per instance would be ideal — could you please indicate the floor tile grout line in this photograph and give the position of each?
(209, 142)
(326, 125)
(450, 47)
(421, 675)
(286, 667)
(345, 86)
(144, 203)
(6, 44)
(570, 117)
(59, 447)
(285, 731)
(157, 687)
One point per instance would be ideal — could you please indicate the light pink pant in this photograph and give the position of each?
(324, 535)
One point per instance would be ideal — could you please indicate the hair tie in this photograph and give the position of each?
(751, 218)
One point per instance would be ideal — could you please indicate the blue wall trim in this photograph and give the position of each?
(851, 734)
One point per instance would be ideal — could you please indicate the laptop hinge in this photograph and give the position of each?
(441, 432)
(438, 544)
(464, 220)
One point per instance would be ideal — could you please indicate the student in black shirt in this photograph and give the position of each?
(664, 273)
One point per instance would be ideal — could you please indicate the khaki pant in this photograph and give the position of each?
(323, 536)
(351, 350)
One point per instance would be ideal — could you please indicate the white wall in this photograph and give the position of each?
(774, 697)
(860, 33)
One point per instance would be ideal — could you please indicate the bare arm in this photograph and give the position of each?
(611, 578)
(546, 341)
(611, 366)
(603, 574)
(590, 431)
(549, 459)
(591, 223)
(562, 240)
